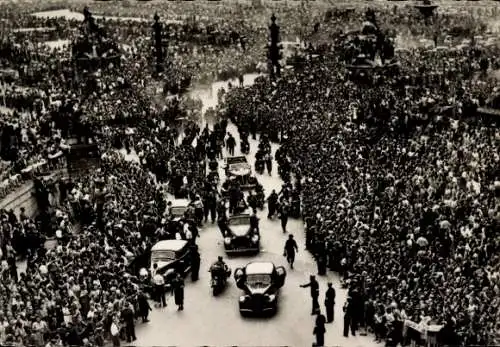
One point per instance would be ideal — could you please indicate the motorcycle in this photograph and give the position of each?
(219, 279)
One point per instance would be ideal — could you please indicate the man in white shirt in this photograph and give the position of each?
(159, 283)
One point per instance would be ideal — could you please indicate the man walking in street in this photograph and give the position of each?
(314, 286)
(290, 249)
(230, 144)
(272, 202)
(330, 303)
(283, 213)
(178, 291)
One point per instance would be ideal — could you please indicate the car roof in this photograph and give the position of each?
(180, 203)
(235, 160)
(170, 245)
(259, 268)
(235, 216)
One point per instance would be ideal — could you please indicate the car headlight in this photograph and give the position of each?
(243, 298)
(255, 238)
(227, 240)
(271, 297)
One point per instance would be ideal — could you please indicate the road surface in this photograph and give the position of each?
(215, 321)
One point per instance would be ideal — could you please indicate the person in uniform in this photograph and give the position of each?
(330, 303)
(195, 263)
(178, 291)
(319, 330)
(349, 317)
(290, 249)
(314, 286)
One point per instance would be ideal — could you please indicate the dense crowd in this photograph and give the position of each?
(409, 197)
(401, 200)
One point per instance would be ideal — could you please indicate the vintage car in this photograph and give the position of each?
(239, 168)
(239, 237)
(171, 256)
(261, 283)
(178, 209)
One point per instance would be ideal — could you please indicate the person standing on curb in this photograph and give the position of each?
(330, 303)
(320, 330)
(314, 285)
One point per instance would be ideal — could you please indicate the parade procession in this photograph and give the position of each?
(249, 173)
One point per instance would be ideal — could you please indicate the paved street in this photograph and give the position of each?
(216, 321)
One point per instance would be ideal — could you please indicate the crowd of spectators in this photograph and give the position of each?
(400, 199)
(409, 198)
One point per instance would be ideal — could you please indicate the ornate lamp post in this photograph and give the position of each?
(426, 9)
(274, 54)
(158, 43)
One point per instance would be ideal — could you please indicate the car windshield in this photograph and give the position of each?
(243, 220)
(178, 211)
(162, 255)
(236, 160)
(259, 280)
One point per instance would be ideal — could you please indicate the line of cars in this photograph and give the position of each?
(260, 281)
(239, 235)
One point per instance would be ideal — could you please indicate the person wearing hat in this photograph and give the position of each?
(178, 291)
(319, 330)
(290, 249)
(330, 303)
(314, 286)
(195, 263)
(349, 317)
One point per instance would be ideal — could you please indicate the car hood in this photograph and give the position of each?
(240, 169)
(239, 230)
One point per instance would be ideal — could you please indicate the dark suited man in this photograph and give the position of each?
(314, 286)
(349, 317)
(195, 263)
(144, 306)
(330, 303)
(319, 330)
(128, 318)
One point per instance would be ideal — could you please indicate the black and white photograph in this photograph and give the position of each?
(249, 173)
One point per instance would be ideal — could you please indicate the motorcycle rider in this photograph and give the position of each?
(219, 268)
